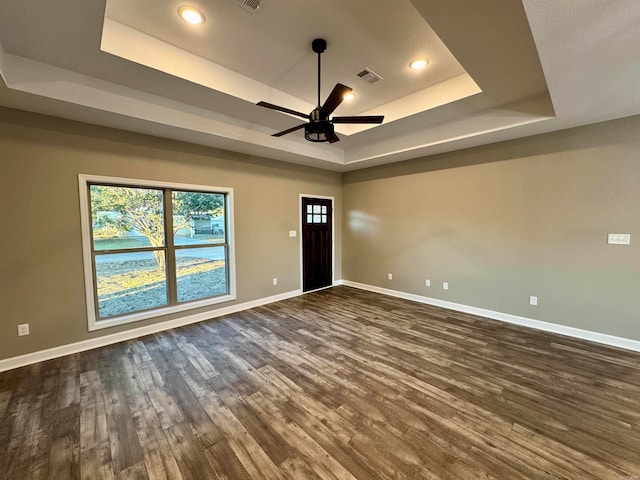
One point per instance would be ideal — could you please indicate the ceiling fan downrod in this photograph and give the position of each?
(319, 45)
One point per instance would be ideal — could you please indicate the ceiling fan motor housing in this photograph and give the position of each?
(317, 116)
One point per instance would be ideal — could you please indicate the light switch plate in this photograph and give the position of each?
(292, 233)
(619, 239)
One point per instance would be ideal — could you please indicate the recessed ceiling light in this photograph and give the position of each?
(191, 15)
(349, 96)
(418, 64)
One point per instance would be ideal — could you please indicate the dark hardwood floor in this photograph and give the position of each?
(337, 384)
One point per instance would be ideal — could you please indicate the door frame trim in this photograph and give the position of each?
(333, 239)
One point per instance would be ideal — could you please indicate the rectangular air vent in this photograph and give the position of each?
(368, 75)
(248, 5)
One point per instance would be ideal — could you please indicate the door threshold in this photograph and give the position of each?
(319, 289)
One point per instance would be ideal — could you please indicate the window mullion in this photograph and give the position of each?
(172, 281)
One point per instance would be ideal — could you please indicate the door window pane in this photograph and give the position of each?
(316, 209)
(130, 282)
(324, 209)
(201, 273)
(126, 217)
(198, 218)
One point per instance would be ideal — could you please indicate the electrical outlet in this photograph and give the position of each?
(389, 276)
(23, 329)
(445, 285)
(427, 283)
(275, 280)
(619, 239)
(533, 300)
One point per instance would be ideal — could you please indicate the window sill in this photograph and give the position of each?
(156, 313)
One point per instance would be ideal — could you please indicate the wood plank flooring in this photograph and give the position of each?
(337, 384)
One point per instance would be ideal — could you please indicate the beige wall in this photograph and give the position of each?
(506, 221)
(499, 223)
(41, 273)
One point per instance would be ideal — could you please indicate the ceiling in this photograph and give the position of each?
(498, 69)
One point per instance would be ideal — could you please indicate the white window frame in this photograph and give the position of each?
(85, 219)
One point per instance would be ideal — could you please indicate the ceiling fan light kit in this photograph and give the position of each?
(320, 127)
(320, 132)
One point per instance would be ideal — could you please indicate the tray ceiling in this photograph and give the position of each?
(497, 70)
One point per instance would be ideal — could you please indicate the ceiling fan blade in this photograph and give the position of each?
(333, 138)
(359, 119)
(334, 99)
(289, 130)
(283, 109)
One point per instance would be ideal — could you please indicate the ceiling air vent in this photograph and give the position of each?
(248, 5)
(368, 75)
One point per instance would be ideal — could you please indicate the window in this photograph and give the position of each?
(316, 213)
(152, 249)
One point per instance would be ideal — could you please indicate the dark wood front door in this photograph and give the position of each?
(317, 261)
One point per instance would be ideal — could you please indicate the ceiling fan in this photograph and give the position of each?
(319, 127)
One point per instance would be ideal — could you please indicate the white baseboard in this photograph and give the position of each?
(626, 343)
(48, 354)
(55, 352)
